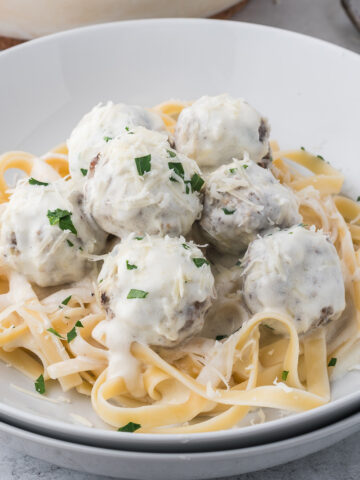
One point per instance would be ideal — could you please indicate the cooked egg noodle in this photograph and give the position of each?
(206, 385)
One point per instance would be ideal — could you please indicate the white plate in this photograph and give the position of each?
(309, 89)
(190, 466)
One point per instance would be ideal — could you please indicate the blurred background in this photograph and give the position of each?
(337, 21)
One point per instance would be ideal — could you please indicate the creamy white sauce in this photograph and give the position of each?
(296, 271)
(242, 201)
(213, 130)
(121, 200)
(31, 245)
(177, 294)
(99, 125)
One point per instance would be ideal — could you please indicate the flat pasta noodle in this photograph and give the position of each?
(209, 388)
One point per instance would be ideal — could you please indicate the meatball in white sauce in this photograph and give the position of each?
(242, 201)
(99, 126)
(296, 271)
(214, 130)
(45, 235)
(139, 184)
(155, 290)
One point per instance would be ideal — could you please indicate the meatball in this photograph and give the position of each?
(214, 130)
(44, 234)
(157, 289)
(99, 126)
(242, 201)
(139, 184)
(296, 271)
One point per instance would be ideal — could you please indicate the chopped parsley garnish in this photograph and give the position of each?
(199, 262)
(284, 375)
(303, 148)
(61, 218)
(332, 362)
(137, 294)
(196, 182)
(233, 170)
(130, 427)
(186, 246)
(69, 243)
(268, 326)
(129, 266)
(290, 233)
(245, 166)
(127, 129)
(67, 300)
(228, 212)
(52, 330)
(143, 164)
(220, 337)
(358, 199)
(79, 324)
(33, 181)
(178, 169)
(107, 139)
(171, 153)
(139, 238)
(84, 171)
(238, 263)
(40, 384)
(321, 158)
(71, 335)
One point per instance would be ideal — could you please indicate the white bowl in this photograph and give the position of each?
(189, 466)
(309, 89)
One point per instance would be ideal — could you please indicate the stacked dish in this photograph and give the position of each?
(155, 60)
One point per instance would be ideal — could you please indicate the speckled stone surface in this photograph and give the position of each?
(320, 18)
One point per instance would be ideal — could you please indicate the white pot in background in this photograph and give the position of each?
(28, 19)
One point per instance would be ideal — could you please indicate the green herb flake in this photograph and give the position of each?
(130, 427)
(143, 164)
(358, 199)
(321, 158)
(303, 149)
(61, 218)
(303, 225)
(233, 170)
(196, 182)
(228, 212)
(269, 327)
(107, 139)
(69, 243)
(137, 294)
(52, 330)
(284, 375)
(178, 169)
(79, 324)
(332, 362)
(245, 166)
(71, 335)
(199, 262)
(84, 171)
(33, 181)
(139, 238)
(171, 153)
(186, 246)
(67, 300)
(40, 385)
(220, 337)
(129, 266)
(127, 129)
(238, 263)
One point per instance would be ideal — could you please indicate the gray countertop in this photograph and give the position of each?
(320, 18)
